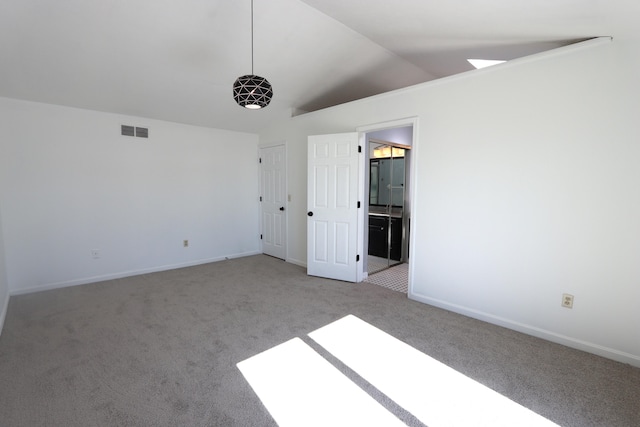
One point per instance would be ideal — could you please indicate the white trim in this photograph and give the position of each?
(413, 174)
(592, 348)
(397, 123)
(390, 124)
(87, 280)
(361, 265)
(286, 192)
(297, 262)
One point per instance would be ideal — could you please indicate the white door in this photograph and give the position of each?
(332, 197)
(272, 171)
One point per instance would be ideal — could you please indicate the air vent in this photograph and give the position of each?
(142, 132)
(127, 130)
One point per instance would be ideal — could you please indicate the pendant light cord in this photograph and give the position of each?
(251, 91)
(252, 37)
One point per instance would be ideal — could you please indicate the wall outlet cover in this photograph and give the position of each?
(567, 300)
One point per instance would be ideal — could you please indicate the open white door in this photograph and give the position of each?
(272, 171)
(332, 198)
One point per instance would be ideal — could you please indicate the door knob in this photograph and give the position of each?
(310, 213)
(281, 208)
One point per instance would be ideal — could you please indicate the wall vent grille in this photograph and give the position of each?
(127, 130)
(139, 132)
(142, 132)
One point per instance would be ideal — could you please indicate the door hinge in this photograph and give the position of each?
(260, 160)
(261, 237)
(260, 198)
(358, 204)
(359, 148)
(357, 258)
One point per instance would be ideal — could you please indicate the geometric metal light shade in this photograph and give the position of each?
(251, 91)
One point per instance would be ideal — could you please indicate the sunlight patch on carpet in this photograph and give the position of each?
(433, 392)
(301, 388)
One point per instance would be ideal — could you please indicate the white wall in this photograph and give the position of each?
(72, 183)
(526, 187)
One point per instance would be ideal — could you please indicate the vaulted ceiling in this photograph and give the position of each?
(177, 60)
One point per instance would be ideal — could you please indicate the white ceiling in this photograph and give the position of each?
(177, 60)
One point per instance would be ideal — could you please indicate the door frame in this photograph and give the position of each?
(362, 131)
(286, 192)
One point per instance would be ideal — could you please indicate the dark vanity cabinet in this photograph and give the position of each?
(378, 229)
(378, 235)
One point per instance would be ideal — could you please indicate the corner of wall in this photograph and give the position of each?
(3, 311)
(4, 286)
(4, 279)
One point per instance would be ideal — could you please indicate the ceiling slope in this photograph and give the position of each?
(177, 61)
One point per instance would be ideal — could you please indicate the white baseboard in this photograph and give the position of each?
(120, 275)
(297, 262)
(588, 347)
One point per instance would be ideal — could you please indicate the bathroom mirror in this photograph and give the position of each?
(386, 179)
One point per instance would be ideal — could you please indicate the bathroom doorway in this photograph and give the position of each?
(386, 215)
(388, 206)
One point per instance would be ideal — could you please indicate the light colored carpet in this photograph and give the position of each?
(161, 350)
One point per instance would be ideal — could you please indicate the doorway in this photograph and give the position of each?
(338, 199)
(387, 219)
(387, 192)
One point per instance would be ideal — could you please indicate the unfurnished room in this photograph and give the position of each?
(317, 212)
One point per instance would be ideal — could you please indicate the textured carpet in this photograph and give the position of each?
(161, 350)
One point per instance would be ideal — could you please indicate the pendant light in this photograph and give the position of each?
(251, 91)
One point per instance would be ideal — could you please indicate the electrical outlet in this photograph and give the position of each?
(95, 253)
(567, 300)
(185, 243)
